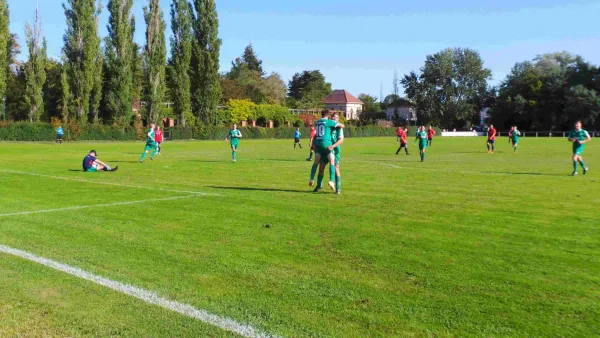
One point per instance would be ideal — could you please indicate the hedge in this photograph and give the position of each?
(32, 132)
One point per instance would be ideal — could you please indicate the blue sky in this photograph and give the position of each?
(358, 44)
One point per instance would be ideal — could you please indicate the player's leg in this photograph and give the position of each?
(338, 175)
(154, 152)
(406, 148)
(313, 170)
(422, 154)
(575, 161)
(233, 152)
(295, 141)
(331, 158)
(321, 175)
(488, 146)
(158, 145)
(580, 160)
(145, 153)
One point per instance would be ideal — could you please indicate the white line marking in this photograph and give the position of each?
(105, 183)
(150, 297)
(96, 206)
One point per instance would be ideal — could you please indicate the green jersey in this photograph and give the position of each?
(515, 135)
(151, 136)
(324, 128)
(338, 133)
(579, 135)
(422, 135)
(234, 135)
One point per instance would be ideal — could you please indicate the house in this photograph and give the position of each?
(343, 101)
(402, 109)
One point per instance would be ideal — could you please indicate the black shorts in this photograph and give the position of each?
(296, 140)
(491, 141)
(59, 136)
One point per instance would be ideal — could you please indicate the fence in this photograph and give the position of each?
(553, 133)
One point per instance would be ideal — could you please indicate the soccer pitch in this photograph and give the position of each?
(465, 244)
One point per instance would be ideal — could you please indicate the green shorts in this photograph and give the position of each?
(323, 152)
(422, 146)
(91, 169)
(578, 150)
(151, 146)
(234, 144)
(336, 156)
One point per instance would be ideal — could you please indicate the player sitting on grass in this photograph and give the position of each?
(422, 138)
(234, 137)
(297, 138)
(515, 133)
(430, 134)
(491, 142)
(323, 140)
(150, 144)
(311, 143)
(91, 164)
(337, 137)
(402, 140)
(579, 137)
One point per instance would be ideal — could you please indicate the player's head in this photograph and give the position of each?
(93, 153)
(152, 126)
(430, 127)
(335, 117)
(234, 126)
(157, 127)
(578, 125)
(325, 114)
(297, 128)
(491, 126)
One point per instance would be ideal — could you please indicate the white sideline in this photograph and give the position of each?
(95, 206)
(150, 297)
(105, 183)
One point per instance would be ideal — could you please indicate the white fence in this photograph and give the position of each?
(594, 133)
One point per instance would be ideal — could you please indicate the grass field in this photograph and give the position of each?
(464, 244)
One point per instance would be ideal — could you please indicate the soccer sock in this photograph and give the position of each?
(493, 147)
(406, 149)
(234, 154)
(515, 149)
(320, 181)
(575, 166)
(144, 155)
(331, 173)
(154, 153)
(313, 170)
(397, 151)
(583, 165)
(338, 183)
(422, 156)
(488, 147)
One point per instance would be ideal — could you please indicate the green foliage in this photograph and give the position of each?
(306, 90)
(120, 55)
(155, 58)
(240, 110)
(371, 103)
(35, 69)
(250, 58)
(206, 88)
(5, 44)
(52, 90)
(16, 107)
(81, 50)
(181, 49)
(451, 88)
(549, 93)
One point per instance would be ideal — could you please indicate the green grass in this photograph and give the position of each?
(464, 244)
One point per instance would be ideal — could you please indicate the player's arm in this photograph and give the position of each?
(239, 134)
(339, 142)
(227, 138)
(100, 162)
(587, 138)
(150, 136)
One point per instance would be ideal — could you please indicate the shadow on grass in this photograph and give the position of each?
(260, 189)
(76, 170)
(123, 161)
(521, 173)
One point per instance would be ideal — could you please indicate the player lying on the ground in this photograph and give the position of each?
(491, 142)
(579, 137)
(234, 137)
(92, 164)
(311, 143)
(337, 139)
(402, 139)
(422, 138)
(150, 144)
(323, 140)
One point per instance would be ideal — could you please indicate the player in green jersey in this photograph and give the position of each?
(422, 138)
(514, 137)
(323, 140)
(337, 137)
(579, 137)
(150, 144)
(234, 137)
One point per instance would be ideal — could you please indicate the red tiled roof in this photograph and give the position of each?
(341, 97)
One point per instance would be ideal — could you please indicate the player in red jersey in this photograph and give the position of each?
(402, 140)
(158, 136)
(491, 142)
(311, 143)
(430, 134)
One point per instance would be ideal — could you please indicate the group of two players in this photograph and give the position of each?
(326, 139)
(424, 137)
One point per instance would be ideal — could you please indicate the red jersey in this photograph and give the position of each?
(491, 134)
(430, 133)
(399, 132)
(313, 133)
(158, 137)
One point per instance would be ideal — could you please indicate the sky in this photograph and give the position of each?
(359, 44)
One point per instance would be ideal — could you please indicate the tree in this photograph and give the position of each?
(35, 68)
(120, 54)
(371, 103)
(52, 88)
(451, 87)
(66, 101)
(388, 100)
(82, 50)
(5, 47)
(206, 88)
(252, 60)
(307, 89)
(155, 58)
(181, 50)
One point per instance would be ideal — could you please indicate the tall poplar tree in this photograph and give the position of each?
(206, 87)
(119, 61)
(81, 50)
(5, 42)
(35, 68)
(181, 51)
(155, 58)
